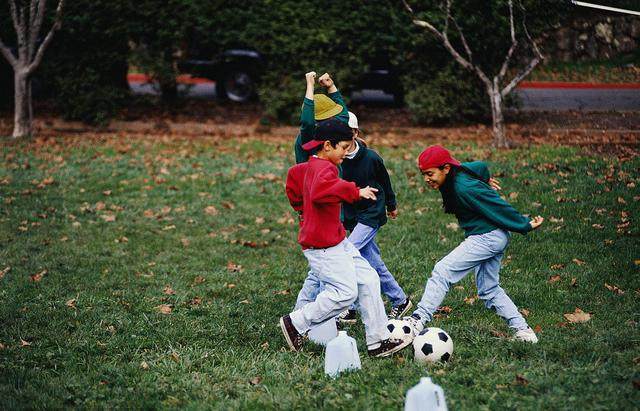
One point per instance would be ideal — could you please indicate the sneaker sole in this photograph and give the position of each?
(347, 321)
(286, 335)
(395, 350)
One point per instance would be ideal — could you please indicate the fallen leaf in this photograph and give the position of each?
(445, 309)
(537, 329)
(144, 365)
(636, 262)
(175, 357)
(169, 227)
(228, 205)
(524, 312)
(164, 309)
(557, 266)
(195, 301)
(149, 213)
(283, 292)
(579, 262)
(574, 282)
(24, 343)
(520, 380)
(621, 200)
(499, 334)
(109, 218)
(245, 302)
(199, 280)
(470, 300)
(168, 290)
(265, 345)
(233, 267)
(211, 210)
(259, 220)
(185, 242)
(513, 195)
(230, 285)
(107, 192)
(614, 288)
(71, 303)
(453, 226)
(2, 346)
(553, 279)
(597, 226)
(100, 206)
(37, 277)
(578, 316)
(4, 272)
(255, 380)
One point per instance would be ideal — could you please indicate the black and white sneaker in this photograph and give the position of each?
(291, 335)
(399, 310)
(388, 347)
(346, 317)
(416, 324)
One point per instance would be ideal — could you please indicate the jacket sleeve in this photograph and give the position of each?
(329, 188)
(307, 121)
(481, 198)
(344, 114)
(293, 189)
(382, 177)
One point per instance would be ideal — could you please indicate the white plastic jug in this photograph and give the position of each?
(341, 355)
(426, 396)
(324, 332)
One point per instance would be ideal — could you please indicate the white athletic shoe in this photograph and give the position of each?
(416, 324)
(526, 335)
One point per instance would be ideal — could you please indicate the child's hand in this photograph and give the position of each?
(311, 77)
(325, 80)
(368, 193)
(495, 184)
(393, 214)
(536, 222)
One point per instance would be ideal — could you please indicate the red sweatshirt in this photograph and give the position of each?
(322, 194)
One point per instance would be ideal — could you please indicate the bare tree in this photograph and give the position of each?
(493, 85)
(27, 22)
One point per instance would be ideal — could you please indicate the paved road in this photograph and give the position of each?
(534, 98)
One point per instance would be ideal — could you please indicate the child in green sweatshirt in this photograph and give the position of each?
(486, 220)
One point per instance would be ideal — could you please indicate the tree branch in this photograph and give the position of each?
(514, 44)
(56, 25)
(37, 24)
(8, 55)
(517, 79)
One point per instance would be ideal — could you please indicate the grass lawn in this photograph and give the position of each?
(151, 273)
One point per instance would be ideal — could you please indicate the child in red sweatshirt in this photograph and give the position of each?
(333, 260)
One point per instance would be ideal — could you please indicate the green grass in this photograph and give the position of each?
(209, 353)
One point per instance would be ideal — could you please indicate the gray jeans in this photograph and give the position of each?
(481, 253)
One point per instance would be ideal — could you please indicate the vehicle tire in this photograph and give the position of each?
(236, 85)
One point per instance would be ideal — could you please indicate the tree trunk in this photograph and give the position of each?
(21, 123)
(499, 136)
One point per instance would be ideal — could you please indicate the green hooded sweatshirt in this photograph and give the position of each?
(479, 207)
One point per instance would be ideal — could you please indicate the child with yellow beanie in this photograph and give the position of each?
(316, 108)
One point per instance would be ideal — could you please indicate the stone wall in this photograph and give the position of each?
(593, 37)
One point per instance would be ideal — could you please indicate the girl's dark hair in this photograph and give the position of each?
(332, 130)
(448, 191)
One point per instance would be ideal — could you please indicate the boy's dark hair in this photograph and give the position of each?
(447, 190)
(332, 130)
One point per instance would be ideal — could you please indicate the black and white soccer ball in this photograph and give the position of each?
(400, 330)
(432, 345)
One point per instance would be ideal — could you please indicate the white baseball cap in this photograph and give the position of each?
(353, 120)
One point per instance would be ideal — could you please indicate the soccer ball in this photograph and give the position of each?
(432, 345)
(400, 329)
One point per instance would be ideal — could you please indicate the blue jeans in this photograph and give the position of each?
(481, 253)
(346, 278)
(363, 238)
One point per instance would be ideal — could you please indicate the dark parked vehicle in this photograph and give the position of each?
(236, 72)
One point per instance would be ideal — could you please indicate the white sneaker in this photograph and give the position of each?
(526, 335)
(416, 324)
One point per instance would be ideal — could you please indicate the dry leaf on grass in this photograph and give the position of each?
(283, 292)
(37, 277)
(211, 210)
(4, 272)
(553, 279)
(578, 316)
(233, 267)
(168, 290)
(185, 242)
(520, 380)
(144, 365)
(164, 309)
(24, 343)
(228, 205)
(579, 262)
(198, 280)
(71, 303)
(614, 288)
(524, 312)
(255, 380)
(470, 300)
